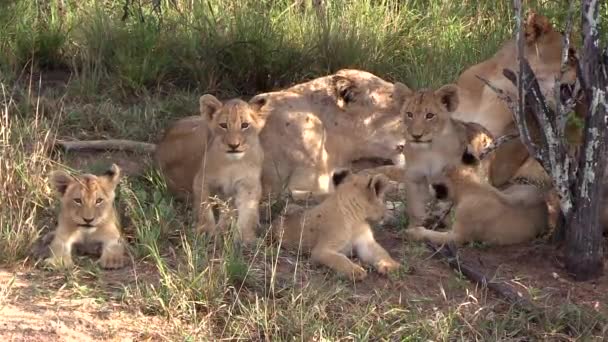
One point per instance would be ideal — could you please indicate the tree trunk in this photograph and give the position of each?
(584, 241)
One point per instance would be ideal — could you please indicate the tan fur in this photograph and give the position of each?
(313, 129)
(485, 214)
(338, 226)
(231, 164)
(478, 103)
(434, 140)
(87, 215)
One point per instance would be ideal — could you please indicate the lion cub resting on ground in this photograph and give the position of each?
(483, 213)
(338, 226)
(231, 163)
(87, 215)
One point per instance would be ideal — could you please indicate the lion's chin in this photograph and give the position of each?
(421, 144)
(234, 155)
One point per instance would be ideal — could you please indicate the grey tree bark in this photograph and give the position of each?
(576, 177)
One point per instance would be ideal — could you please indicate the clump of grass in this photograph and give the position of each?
(25, 140)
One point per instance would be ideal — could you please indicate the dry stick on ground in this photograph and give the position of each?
(106, 145)
(501, 288)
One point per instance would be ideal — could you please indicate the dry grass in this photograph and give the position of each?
(86, 74)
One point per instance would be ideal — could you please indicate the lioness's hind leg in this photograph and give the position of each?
(338, 262)
(508, 158)
(370, 252)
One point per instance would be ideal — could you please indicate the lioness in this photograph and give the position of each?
(434, 140)
(338, 225)
(478, 103)
(312, 129)
(231, 164)
(483, 213)
(87, 215)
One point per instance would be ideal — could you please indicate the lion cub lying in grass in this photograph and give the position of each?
(87, 215)
(338, 226)
(483, 213)
(231, 163)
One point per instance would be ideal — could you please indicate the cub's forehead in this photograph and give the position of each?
(235, 109)
(422, 100)
(85, 185)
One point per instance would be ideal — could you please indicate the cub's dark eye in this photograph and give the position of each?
(429, 116)
(99, 201)
(244, 125)
(224, 125)
(78, 201)
(409, 114)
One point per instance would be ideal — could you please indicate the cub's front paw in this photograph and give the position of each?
(386, 266)
(358, 273)
(415, 233)
(59, 262)
(112, 259)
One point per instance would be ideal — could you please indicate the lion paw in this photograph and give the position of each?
(112, 260)
(386, 266)
(415, 233)
(59, 262)
(358, 273)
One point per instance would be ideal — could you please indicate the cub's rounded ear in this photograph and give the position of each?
(209, 105)
(400, 93)
(448, 95)
(113, 174)
(345, 90)
(60, 180)
(339, 176)
(378, 185)
(536, 25)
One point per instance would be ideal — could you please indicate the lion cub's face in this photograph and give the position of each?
(425, 112)
(364, 193)
(234, 125)
(86, 200)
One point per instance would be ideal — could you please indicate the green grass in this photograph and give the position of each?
(128, 79)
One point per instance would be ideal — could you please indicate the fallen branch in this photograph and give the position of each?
(501, 288)
(106, 145)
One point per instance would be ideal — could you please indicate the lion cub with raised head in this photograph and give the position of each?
(87, 215)
(433, 140)
(232, 163)
(483, 213)
(338, 226)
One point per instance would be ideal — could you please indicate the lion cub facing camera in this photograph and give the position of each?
(87, 215)
(483, 213)
(338, 226)
(231, 165)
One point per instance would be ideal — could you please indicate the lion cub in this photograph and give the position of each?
(483, 213)
(338, 226)
(87, 215)
(231, 165)
(433, 140)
